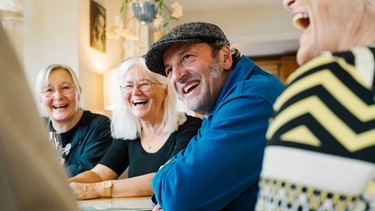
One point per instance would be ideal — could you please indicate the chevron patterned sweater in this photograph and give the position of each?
(321, 140)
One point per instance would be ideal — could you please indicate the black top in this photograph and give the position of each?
(89, 140)
(130, 153)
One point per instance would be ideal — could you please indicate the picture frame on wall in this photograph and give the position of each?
(97, 26)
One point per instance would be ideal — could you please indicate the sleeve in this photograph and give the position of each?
(97, 140)
(117, 156)
(223, 162)
(185, 133)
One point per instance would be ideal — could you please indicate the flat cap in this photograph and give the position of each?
(194, 32)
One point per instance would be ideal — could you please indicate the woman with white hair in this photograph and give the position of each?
(85, 136)
(148, 130)
(321, 140)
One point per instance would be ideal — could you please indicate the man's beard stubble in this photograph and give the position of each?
(216, 70)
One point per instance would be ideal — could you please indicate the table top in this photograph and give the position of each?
(133, 203)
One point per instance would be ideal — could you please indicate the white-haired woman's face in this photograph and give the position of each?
(146, 105)
(327, 25)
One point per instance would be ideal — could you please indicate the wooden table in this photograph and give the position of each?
(134, 203)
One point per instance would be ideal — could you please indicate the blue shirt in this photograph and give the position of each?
(220, 168)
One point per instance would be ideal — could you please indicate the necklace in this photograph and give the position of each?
(155, 140)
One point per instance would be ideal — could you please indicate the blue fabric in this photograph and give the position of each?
(220, 168)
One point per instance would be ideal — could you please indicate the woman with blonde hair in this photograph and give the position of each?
(85, 136)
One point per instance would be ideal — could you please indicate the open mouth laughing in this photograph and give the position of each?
(190, 87)
(139, 102)
(60, 106)
(301, 21)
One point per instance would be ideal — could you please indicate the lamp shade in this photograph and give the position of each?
(145, 12)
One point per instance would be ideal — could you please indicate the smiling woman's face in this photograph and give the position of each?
(60, 107)
(328, 25)
(146, 105)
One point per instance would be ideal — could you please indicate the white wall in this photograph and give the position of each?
(254, 30)
(92, 63)
(58, 32)
(49, 35)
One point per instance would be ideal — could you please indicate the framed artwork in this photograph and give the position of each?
(97, 26)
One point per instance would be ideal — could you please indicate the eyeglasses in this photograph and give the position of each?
(141, 86)
(64, 89)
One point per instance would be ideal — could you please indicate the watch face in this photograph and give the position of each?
(107, 184)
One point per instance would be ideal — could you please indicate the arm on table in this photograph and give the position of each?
(88, 185)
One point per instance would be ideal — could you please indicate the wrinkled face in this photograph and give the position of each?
(61, 105)
(328, 25)
(195, 75)
(143, 104)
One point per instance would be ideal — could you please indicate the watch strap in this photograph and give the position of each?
(107, 185)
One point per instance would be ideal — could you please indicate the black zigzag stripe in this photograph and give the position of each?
(342, 76)
(348, 56)
(331, 102)
(334, 106)
(329, 144)
(373, 52)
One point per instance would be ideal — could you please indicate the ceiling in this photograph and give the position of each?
(191, 5)
(257, 46)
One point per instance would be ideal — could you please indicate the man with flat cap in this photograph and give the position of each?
(220, 168)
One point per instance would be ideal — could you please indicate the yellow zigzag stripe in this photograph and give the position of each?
(324, 60)
(301, 131)
(313, 105)
(329, 81)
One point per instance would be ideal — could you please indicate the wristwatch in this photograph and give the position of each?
(107, 185)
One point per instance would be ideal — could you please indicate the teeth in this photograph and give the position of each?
(299, 20)
(59, 106)
(135, 102)
(186, 89)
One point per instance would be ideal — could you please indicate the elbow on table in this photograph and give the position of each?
(180, 205)
(175, 201)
